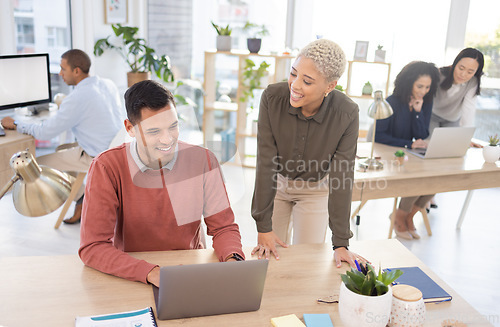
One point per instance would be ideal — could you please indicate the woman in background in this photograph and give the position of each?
(460, 83)
(411, 101)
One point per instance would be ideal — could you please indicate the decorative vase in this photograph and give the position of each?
(379, 56)
(491, 153)
(223, 43)
(358, 310)
(367, 89)
(254, 45)
(133, 78)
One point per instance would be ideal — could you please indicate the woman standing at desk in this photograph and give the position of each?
(411, 101)
(306, 146)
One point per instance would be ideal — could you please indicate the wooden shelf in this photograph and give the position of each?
(282, 63)
(351, 63)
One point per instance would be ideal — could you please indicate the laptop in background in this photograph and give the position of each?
(446, 142)
(210, 289)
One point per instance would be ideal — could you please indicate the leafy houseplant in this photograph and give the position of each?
(223, 37)
(252, 78)
(367, 282)
(491, 152)
(339, 88)
(140, 58)
(255, 32)
(365, 294)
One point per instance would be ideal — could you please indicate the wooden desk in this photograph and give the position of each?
(423, 176)
(11, 143)
(426, 176)
(52, 291)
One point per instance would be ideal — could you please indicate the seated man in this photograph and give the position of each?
(92, 111)
(150, 194)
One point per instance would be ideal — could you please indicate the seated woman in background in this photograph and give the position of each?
(411, 101)
(455, 101)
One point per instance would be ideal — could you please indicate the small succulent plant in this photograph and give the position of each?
(221, 30)
(399, 153)
(367, 282)
(494, 140)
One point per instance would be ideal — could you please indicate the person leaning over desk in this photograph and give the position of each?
(411, 101)
(93, 113)
(150, 194)
(306, 147)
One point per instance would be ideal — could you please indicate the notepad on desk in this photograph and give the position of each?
(431, 291)
(144, 317)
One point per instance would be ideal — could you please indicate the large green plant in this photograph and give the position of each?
(136, 52)
(251, 78)
(367, 282)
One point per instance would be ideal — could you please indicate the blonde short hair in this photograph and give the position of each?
(328, 57)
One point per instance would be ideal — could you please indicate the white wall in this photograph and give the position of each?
(89, 26)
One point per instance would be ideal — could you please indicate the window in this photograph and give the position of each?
(483, 33)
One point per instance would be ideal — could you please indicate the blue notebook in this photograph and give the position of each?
(431, 291)
(317, 320)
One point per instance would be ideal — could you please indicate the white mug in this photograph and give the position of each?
(408, 307)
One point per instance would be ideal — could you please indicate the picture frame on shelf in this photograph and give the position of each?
(361, 50)
(115, 11)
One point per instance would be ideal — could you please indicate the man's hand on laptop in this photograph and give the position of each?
(154, 276)
(419, 144)
(266, 244)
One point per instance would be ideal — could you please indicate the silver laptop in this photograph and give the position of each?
(446, 142)
(210, 289)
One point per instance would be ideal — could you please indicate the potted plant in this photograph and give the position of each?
(491, 152)
(367, 89)
(379, 54)
(223, 37)
(255, 32)
(141, 59)
(252, 78)
(339, 88)
(400, 157)
(365, 297)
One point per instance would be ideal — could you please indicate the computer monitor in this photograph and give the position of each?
(25, 82)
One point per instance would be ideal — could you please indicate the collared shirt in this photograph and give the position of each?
(306, 148)
(135, 156)
(92, 111)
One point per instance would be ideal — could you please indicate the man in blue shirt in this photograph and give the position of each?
(93, 113)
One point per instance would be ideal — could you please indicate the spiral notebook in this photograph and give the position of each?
(144, 318)
(431, 291)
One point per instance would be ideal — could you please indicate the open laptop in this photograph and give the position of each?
(210, 289)
(446, 142)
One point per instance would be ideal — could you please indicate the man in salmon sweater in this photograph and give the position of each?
(150, 194)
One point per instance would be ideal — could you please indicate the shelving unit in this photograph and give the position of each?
(281, 70)
(350, 67)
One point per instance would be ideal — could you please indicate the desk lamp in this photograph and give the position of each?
(38, 190)
(379, 109)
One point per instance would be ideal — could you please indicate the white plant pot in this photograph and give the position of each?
(364, 311)
(491, 153)
(223, 43)
(379, 56)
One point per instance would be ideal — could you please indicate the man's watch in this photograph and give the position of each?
(235, 256)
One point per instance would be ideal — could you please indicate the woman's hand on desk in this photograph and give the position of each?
(343, 254)
(266, 244)
(8, 123)
(419, 144)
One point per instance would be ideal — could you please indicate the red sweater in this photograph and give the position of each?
(126, 210)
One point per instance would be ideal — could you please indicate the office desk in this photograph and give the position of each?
(11, 143)
(52, 291)
(423, 176)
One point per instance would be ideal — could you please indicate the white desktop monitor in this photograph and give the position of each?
(25, 81)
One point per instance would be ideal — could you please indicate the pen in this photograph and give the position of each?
(357, 265)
